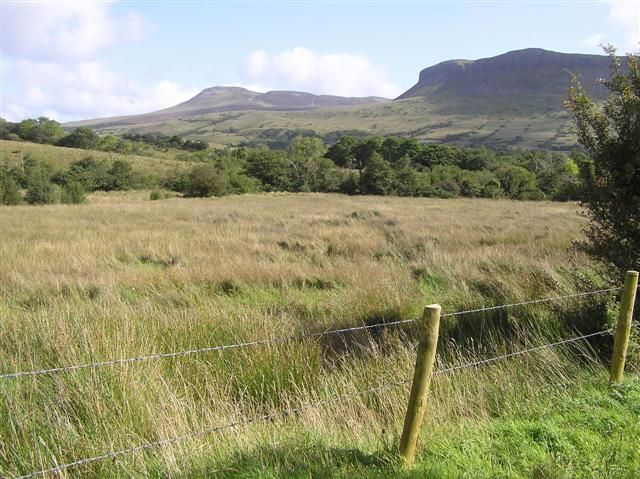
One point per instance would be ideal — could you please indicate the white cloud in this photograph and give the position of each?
(66, 31)
(83, 90)
(594, 41)
(625, 16)
(341, 74)
(52, 63)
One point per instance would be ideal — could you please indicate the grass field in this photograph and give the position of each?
(122, 276)
(157, 163)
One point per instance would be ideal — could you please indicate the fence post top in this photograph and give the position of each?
(433, 307)
(632, 272)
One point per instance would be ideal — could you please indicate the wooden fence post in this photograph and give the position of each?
(429, 326)
(623, 328)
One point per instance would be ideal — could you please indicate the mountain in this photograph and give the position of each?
(528, 72)
(228, 99)
(513, 100)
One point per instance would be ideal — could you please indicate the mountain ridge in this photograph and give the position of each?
(512, 100)
(219, 99)
(517, 72)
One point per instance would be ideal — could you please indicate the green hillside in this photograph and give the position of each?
(13, 152)
(502, 123)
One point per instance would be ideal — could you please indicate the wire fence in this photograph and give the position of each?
(266, 341)
(293, 411)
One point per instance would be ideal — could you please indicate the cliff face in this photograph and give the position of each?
(527, 72)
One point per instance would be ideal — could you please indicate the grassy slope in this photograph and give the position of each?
(122, 276)
(13, 152)
(525, 123)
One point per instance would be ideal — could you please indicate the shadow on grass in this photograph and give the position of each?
(308, 461)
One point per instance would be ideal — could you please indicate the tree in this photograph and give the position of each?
(90, 174)
(42, 130)
(41, 191)
(518, 183)
(9, 188)
(305, 154)
(364, 151)
(341, 152)
(83, 137)
(73, 193)
(271, 167)
(206, 180)
(611, 136)
(377, 177)
(121, 176)
(406, 177)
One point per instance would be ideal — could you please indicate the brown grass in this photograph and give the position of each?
(123, 276)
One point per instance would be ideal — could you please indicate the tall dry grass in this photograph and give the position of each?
(122, 277)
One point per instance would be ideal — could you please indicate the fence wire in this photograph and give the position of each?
(296, 410)
(261, 342)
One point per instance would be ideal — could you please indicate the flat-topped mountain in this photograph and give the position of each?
(528, 72)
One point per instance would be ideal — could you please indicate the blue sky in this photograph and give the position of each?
(74, 60)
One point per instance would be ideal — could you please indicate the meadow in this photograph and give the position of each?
(122, 276)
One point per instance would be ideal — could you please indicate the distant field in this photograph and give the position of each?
(124, 276)
(60, 157)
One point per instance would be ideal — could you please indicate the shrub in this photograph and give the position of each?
(9, 187)
(73, 193)
(206, 180)
(158, 194)
(83, 137)
(41, 191)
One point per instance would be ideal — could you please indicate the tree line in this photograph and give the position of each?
(370, 166)
(46, 131)
(385, 166)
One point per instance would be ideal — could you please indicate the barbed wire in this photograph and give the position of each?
(533, 301)
(260, 342)
(193, 435)
(483, 362)
(207, 349)
(291, 411)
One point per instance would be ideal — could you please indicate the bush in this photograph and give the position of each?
(42, 192)
(83, 137)
(9, 188)
(120, 176)
(158, 194)
(73, 193)
(206, 180)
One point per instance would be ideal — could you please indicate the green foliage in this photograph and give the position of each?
(41, 191)
(271, 167)
(83, 138)
(120, 176)
(9, 188)
(73, 193)
(158, 194)
(206, 180)
(91, 174)
(165, 141)
(42, 130)
(306, 155)
(518, 182)
(611, 136)
(377, 177)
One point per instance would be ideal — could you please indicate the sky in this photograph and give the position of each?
(75, 60)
